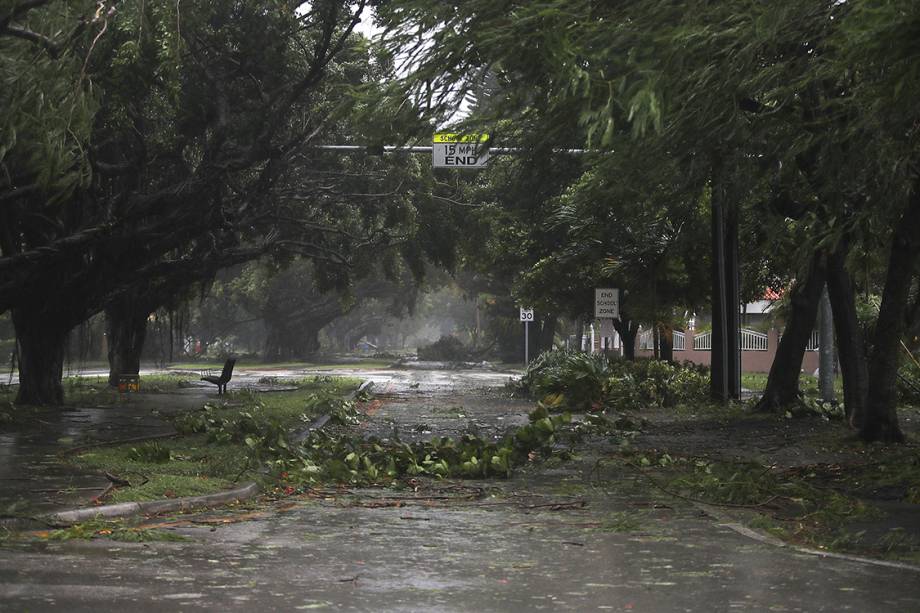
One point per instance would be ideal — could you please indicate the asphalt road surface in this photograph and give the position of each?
(556, 538)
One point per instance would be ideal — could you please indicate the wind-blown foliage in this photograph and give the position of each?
(794, 117)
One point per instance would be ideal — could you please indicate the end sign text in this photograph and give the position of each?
(607, 303)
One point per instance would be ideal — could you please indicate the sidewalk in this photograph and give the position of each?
(34, 481)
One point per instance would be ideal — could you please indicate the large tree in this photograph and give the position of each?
(202, 111)
(812, 94)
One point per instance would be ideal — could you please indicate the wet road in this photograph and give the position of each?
(511, 550)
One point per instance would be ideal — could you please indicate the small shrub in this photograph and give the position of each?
(151, 453)
(909, 382)
(815, 407)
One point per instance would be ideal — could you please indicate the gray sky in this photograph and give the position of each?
(367, 27)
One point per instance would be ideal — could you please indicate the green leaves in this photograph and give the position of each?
(583, 382)
(152, 452)
(352, 459)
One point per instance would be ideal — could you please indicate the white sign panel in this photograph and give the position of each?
(460, 150)
(526, 314)
(607, 303)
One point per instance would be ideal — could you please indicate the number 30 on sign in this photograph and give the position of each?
(526, 314)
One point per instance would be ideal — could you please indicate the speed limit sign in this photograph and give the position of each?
(526, 314)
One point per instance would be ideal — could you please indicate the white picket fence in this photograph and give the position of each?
(647, 340)
(813, 344)
(680, 341)
(751, 340)
(703, 342)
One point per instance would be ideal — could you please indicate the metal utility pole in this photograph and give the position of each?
(526, 343)
(726, 299)
(526, 317)
(826, 375)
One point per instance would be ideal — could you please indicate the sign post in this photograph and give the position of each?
(449, 150)
(526, 317)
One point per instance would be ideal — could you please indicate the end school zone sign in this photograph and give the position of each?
(451, 150)
(606, 303)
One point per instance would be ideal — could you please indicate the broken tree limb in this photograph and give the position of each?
(698, 500)
(114, 484)
(123, 441)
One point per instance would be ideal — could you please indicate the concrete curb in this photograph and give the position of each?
(154, 506)
(768, 539)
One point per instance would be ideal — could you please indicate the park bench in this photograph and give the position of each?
(221, 381)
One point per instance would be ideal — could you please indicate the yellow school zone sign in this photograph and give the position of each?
(450, 137)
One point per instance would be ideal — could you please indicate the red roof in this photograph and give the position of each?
(772, 294)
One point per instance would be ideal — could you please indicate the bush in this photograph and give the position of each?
(909, 382)
(570, 378)
(152, 453)
(667, 384)
(580, 382)
(445, 349)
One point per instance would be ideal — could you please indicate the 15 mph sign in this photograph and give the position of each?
(459, 150)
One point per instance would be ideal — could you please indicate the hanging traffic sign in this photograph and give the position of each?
(526, 314)
(451, 150)
(607, 303)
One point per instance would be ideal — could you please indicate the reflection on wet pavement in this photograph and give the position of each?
(504, 551)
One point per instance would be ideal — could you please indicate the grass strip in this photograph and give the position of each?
(196, 463)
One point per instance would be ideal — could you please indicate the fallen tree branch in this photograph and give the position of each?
(698, 500)
(123, 441)
(114, 484)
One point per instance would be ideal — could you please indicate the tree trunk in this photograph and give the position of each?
(783, 380)
(532, 347)
(826, 370)
(627, 331)
(310, 345)
(126, 327)
(666, 343)
(41, 341)
(850, 346)
(547, 334)
(295, 341)
(880, 421)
